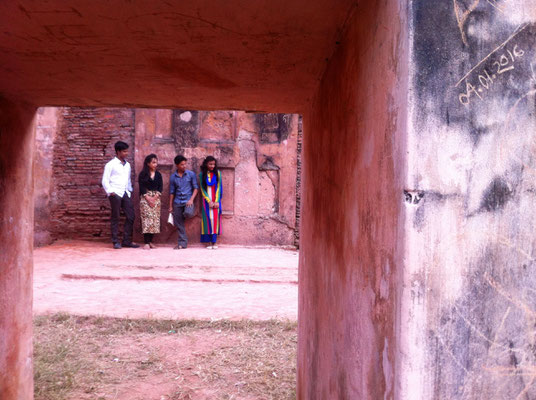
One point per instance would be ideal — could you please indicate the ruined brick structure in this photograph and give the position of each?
(83, 144)
(257, 154)
(417, 267)
(298, 182)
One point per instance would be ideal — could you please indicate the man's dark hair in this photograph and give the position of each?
(120, 146)
(179, 159)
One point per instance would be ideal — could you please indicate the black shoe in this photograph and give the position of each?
(117, 246)
(131, 245)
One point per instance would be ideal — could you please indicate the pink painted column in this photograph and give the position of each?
(16, 242)
(350, 252)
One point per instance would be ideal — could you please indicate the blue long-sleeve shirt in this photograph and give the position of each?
(182, 188)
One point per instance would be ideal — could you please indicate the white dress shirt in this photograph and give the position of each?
(116, 178)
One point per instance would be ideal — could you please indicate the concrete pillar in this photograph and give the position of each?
(418, 267)
(468, 308)
(352, 203)
(16, 242)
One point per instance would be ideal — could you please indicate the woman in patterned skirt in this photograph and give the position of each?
(150, 181)
(210, 185)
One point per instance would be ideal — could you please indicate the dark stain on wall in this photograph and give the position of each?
(313, 351)
(424, 201)
(342, 385)
(226, 154)
(186, 70)
(419, 218)
(185, 133)
(273, 128)
(433, 49)
(268, 164)
(496, 195)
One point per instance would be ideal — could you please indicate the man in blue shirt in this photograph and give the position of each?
(182, 190)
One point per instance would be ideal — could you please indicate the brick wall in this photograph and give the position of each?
(83, 145)
(258, 153)
(298, 181)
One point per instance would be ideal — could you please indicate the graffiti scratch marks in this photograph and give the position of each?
(451, 354)
(509, 116)
(497, 66)
(505, 242)
(512, 299)
(529, 371)
(461, 17)
(463, 12)
(510, 126)
(532, 75)
(519, 29)
(501, 326)
(486, 79)
(513, 371)
(495, 4)
(505, 353)
(479, 333)
(528, 385)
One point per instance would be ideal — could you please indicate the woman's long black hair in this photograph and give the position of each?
(144, 174)
(204, 170)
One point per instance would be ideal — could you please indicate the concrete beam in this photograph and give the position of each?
(253, 55)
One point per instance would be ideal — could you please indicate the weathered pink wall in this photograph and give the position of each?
(258, 168)
(16, 228)
(352, 197)
(469, 295)
(45, 132)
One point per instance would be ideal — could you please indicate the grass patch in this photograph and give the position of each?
(80, 357)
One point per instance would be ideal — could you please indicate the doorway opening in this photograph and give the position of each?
(259, 156)
(172, 323)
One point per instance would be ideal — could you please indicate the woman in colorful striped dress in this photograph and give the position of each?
(210, 185)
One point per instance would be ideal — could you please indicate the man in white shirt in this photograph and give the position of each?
(118, 186)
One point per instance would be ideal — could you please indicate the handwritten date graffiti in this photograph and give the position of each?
(487, 76)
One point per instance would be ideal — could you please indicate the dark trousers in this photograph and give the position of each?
(180, 214)
(117, 203)
(148, 238)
